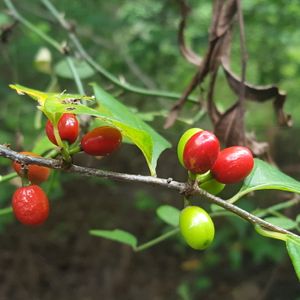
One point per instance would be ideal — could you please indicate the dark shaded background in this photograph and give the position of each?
(137, 40)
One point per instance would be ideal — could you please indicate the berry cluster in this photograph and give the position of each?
(30, 203)
(212, 168)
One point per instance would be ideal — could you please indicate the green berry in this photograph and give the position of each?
(197, 227)
(212, 186)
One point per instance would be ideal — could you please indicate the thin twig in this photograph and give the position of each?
(166, 183)
(76, 76)
(50, 40)
(32, 27)
(88, 58)
(244, 58)
(96, 66)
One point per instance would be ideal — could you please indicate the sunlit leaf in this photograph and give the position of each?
(111, 112)
(42, 96)
(111, 107)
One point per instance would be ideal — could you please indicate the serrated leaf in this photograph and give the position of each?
(111, 107)
(283, 222)
(266, 177)
(117, 235)
(293, 248)
(83, 69)
(169, 214)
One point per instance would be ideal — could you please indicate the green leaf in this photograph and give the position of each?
(111, 112)
(139, 137)
(117, 235)
(150, 142)
(84, 70)
(42, 145)
(216, 208)
(266, 177)
(42, 96)
(293, 248)
(169, 214)
(283, 222)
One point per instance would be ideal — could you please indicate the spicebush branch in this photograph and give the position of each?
(181, 187)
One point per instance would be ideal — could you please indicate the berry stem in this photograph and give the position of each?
(74, 150)
(63, 145)
(25, 181)
(157, 240)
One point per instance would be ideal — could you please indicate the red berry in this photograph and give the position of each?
(183, 140)
(68, 128)
(233, 164)
(36, 174)
(30, 205)
(201, 152)
(101, 141)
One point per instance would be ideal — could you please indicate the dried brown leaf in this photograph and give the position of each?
(230, 126)
(187, 52)
(218, 46)
(259, 94)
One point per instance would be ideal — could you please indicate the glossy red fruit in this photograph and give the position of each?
(101, 141)
(183, 140)
(201, 152)
(233, 165)
(36, 174)
(30, 205)
(68, 128)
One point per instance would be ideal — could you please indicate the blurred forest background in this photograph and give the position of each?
(137, 41)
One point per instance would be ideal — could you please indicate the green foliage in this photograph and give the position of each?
(117, 235)
(266, 177)
(168, 214)
(84, 70)
(293, 247)
(144, 201)
(282, 222)
(110, 111)
(129, 34)
(149, 141)
(42, 145)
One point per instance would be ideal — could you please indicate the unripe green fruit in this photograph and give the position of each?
(183, 140)
(207, 182)
(200, 177)
(196, 227)
(212, 186)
